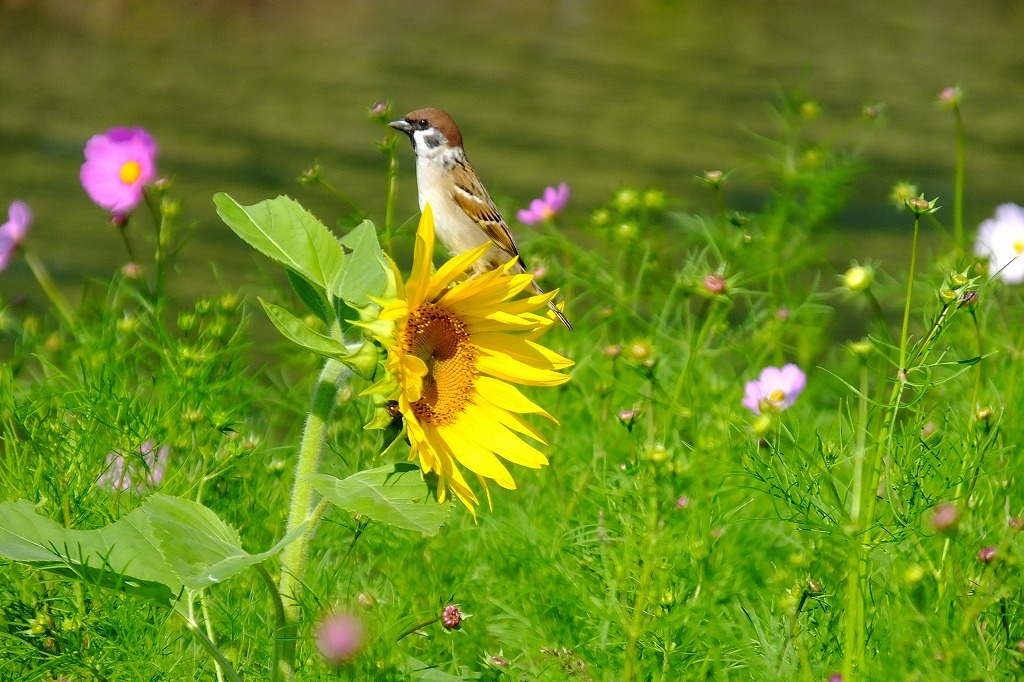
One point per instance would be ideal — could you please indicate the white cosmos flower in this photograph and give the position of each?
(1001, 240)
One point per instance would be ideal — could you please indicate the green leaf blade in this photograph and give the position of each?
(285, 232)
(395, 494)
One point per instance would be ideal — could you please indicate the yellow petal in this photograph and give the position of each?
(522, 349)
(422, 258)
(500, 440)
(510, 420)
(473, 456)
(505, 367)
(452, 269)
(507, 397)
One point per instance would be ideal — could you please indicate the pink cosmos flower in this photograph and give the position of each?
(339, 637)
(118, 164)
(775, 389)
(12, 233)
(122, 474)
(1001, 240)
(554, 200)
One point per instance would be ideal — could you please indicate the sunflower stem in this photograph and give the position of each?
(296, 555)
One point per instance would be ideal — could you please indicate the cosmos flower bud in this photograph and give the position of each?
(451, 617)
(639, 349)
(950, 97)
(713, 178)
(713, 283)
(987, 554)
(612, 351)
(946, 518)
(919, 205)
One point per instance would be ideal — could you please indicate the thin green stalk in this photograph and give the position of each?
(163, 235)
(910, 293)
(697, 341)
(209, 632)
(856, 572)
(958, 182)
(855, 631)
(49, 287)
(391, 149)
(280, 623)
(350, 205)
(295, 555)
(634, 630)
(123, 230)
(218, 656)
(414, 628)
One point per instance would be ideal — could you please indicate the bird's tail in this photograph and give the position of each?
(554, 308)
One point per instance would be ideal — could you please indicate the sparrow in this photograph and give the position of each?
(465, 216)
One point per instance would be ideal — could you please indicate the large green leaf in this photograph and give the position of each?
(367, 271)
(395, 494)
(314, 298)
(362, 359)
(122, 555)
(165, 546)
(284, 231)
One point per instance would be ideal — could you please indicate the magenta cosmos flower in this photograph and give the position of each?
(546, 208)
(776, 389)
(12, 233)
(118, 164)
(1001, 240)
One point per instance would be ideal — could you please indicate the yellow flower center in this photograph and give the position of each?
(1018, 247)
(130, 172)
(777, 396)
(441, 340)
(547, 213)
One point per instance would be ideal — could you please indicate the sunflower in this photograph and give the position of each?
(454, 351)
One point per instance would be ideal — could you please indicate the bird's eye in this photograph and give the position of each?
(422, 123)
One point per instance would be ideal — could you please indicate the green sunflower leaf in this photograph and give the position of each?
(284, 231)
(363, 359)
(368, 272)
(395, 494)
(160, 549)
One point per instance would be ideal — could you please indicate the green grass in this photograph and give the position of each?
(591, 570)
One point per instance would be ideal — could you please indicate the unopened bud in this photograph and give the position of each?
(987, 555)
(714, 283)
(639, 349)
(946, 518)
(451, 617)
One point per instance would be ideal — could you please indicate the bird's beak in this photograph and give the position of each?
(402, 125)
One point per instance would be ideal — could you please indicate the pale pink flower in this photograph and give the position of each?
(340, 637)
(124, 473)
(547, 207)
(118, 165)
(12, 233)
(775, 389)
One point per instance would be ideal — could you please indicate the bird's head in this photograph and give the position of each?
(432, 131)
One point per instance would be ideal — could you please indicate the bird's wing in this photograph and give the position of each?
(471, 196)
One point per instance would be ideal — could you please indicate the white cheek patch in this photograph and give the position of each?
(428, 139)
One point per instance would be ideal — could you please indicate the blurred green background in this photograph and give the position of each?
(242, 96)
